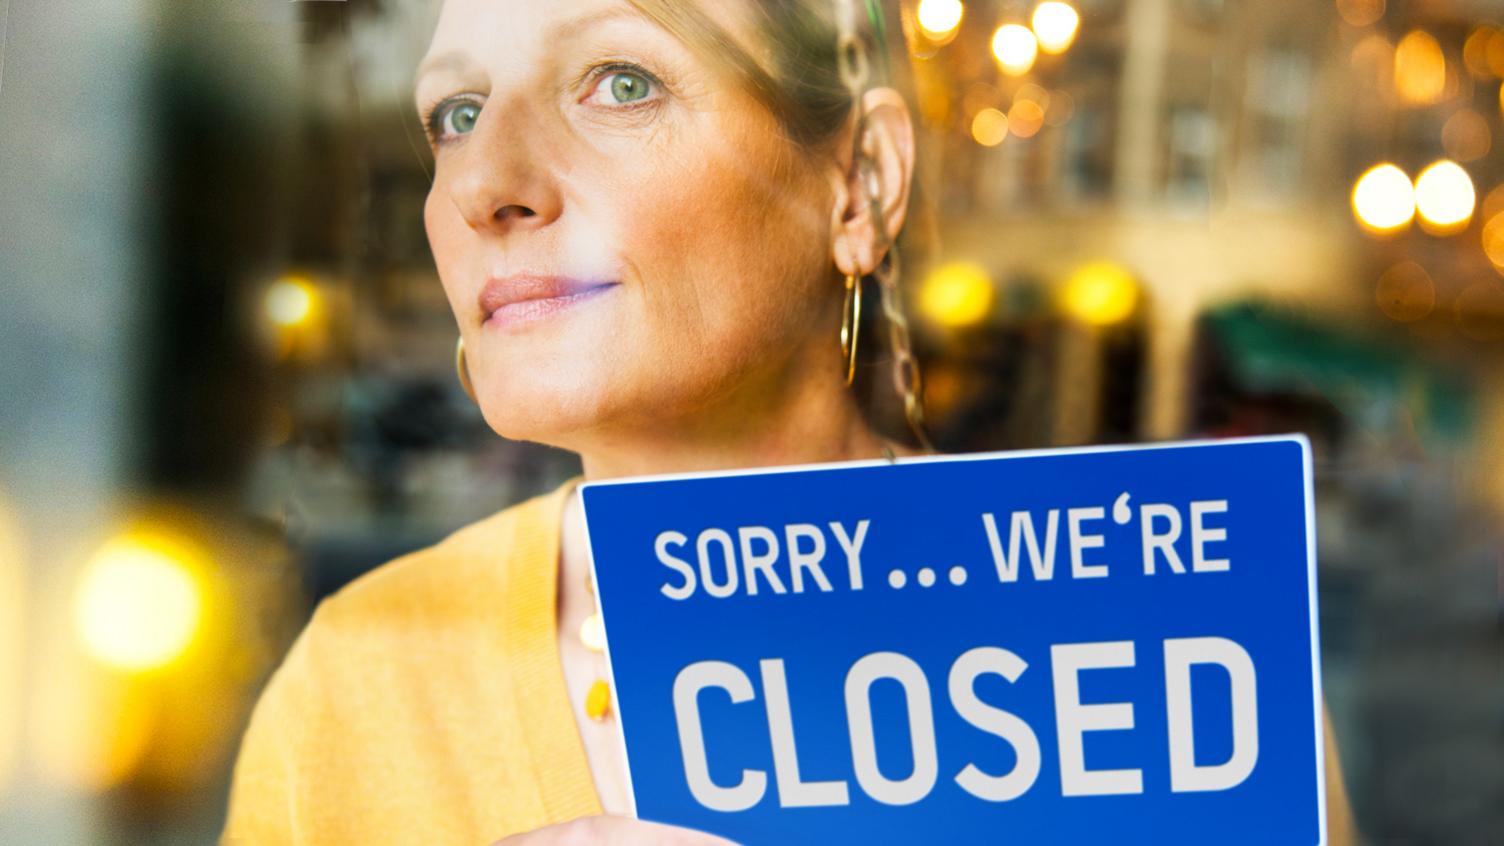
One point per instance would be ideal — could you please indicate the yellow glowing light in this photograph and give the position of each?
(1100, 294)
(939, 18)
(289, 301)
(1444, 195)
(1493, 241)
(1055, 25)
(1475, 51)
(1420, 68)
(956, 294)
(138, 605)
(1025, 118)
(1501, 99)
(1383, 198)
(1465, 136)
(1360, 12)
(1015, 47)
(989, 127)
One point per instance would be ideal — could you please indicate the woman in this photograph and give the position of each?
(646, 215)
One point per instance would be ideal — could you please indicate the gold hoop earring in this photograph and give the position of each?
(462, 370)
(851, 320)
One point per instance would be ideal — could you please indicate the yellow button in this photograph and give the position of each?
(598, 700)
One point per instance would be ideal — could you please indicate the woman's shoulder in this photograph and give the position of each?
(459, 595)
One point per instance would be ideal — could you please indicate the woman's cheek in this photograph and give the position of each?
(442, 244)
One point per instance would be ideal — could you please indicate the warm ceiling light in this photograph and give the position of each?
(1383, 198)
(1015, 47)
(1055, 25)
(1444, 195)
(1420, 68)
(939, 18)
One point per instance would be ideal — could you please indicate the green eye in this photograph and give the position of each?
(457, 118)
(626, 87)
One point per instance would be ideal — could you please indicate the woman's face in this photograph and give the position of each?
(622, 230)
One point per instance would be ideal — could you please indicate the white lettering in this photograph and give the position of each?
(1023, 526)
(963, 673)
(1073, 719)
(1080, 541)
(678, 565)
(793, 792)
(1180, 654)
(760, 563)
(853, 549)
(801, 561)
(1165, 543)
(702, 546)
(916, 689)
(687, 686)
(1202, 535)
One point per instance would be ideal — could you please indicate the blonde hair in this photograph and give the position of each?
(803, 86)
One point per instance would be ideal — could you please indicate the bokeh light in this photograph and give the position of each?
(1493, 55)
(1493, 241)
(1055, 25)
(1420, 68)
(1444, 196)
(1475, 51)
(1383, 198)
(1015, 48)
(957, 294)
(989, 127)
(138, 603)
(940, 18)
(290, 301)
(1406, 292)
(1360, 12)
(1060, 109)
(1466, 136)
(1100, 293)
(1025, 118)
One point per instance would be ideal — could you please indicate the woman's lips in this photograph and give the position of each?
(516, 300)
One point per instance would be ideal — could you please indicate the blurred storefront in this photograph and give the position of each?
(228, 364)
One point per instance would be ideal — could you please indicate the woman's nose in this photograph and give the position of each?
(500, 182)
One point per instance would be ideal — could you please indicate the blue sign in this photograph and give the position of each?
(1106, 645)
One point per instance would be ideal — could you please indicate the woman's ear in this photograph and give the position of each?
(888, 143)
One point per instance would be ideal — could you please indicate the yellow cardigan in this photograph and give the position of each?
(423, 703)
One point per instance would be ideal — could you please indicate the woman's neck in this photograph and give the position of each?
(779, 418)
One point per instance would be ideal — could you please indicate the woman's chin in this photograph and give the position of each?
(550, 418)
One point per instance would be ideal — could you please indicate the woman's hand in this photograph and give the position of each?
(612, 831)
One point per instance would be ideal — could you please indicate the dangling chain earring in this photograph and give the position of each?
(462, 370)
(854, 68)
(851, 323)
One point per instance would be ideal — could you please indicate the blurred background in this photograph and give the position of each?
(227, 382)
